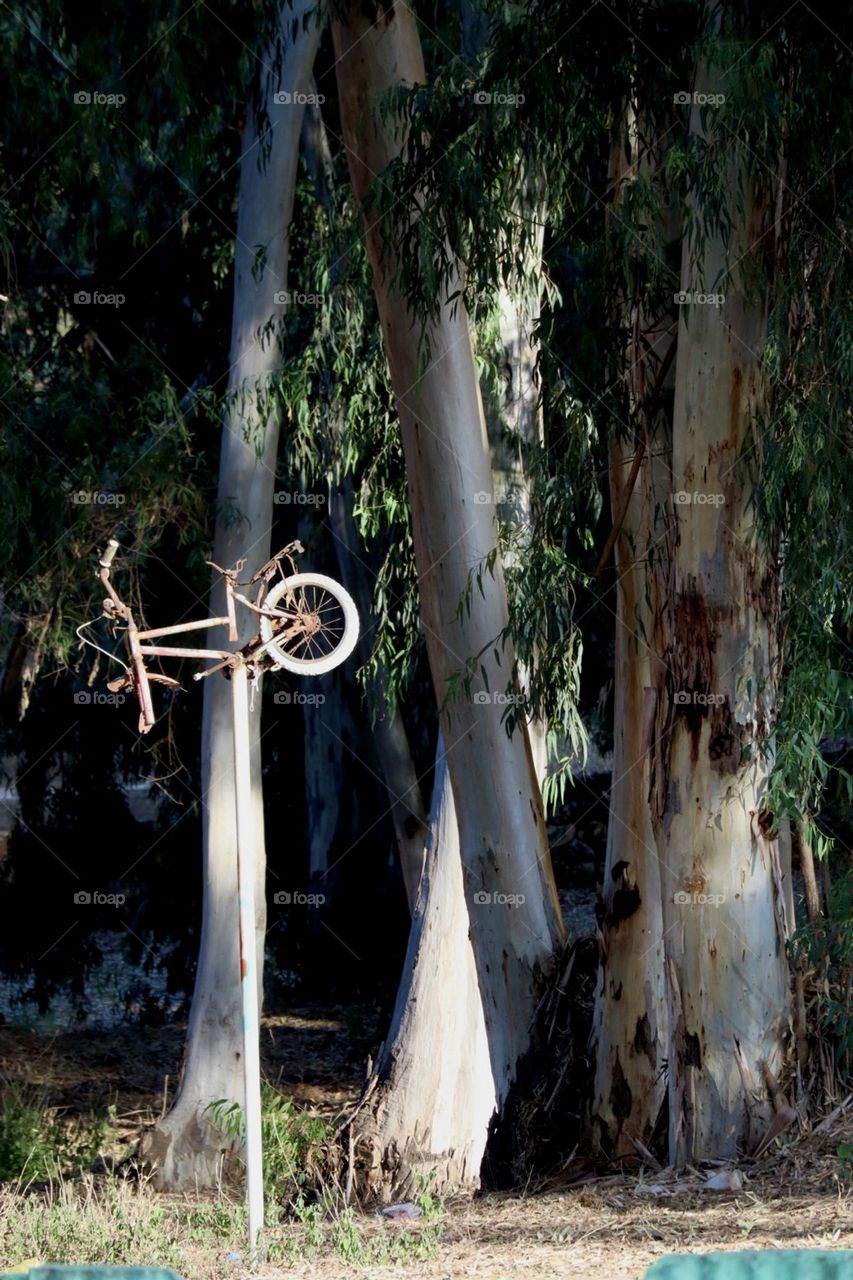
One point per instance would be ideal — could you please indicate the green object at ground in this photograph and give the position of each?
(78, 1271)
(767, 1264)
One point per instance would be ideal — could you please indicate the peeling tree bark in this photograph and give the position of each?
(630, 1018)
(185, 1149)
(501, 825)
(629, 1038)
(722, 895)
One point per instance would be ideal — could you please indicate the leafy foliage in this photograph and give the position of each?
(37, 1142)
(291, 1141)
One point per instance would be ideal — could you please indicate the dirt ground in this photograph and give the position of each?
(606, 1233)
(608, 1228)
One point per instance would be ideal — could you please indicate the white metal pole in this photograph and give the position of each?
(248, 953)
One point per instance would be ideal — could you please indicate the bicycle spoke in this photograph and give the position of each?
(322, 625)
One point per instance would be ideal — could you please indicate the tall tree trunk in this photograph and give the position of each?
(390, 737)
(186, 1150)
(723, 917)
(630, 1018)
(511, 896)
(515, 424)
(516, 432)
(629, 1033)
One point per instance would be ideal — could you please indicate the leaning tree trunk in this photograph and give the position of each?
(185, 1148)
(390, 737)
(511, 897)
(629, 1038)
(516, 434)
(515, 424)
(425, 1112)
(723, 916)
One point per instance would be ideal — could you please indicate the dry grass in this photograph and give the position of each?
(606, 1229)
(798, 1194)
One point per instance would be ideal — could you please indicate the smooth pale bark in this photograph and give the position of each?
(390, 737)
(186, 1150)
(723, 901)
(501, 825)
(515, 426)
(629, 1037)
(514, 434)
(426, 1109)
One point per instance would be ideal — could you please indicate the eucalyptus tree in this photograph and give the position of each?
(334, 458)
(709, 619)
(412, 1120)
(725, 932)
(721, 196)
(510, 382)
(508, 883)
(185, 1146)
(630, 1018)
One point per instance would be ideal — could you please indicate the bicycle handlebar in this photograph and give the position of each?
(109, 554)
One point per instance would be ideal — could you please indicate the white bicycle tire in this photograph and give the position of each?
(349, 638)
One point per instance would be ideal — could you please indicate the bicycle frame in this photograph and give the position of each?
(239, 664)
(253, 653)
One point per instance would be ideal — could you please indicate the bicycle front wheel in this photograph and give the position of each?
(321, 629)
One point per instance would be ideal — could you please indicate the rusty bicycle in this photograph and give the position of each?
(308, 625)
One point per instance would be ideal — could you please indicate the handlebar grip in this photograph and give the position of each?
(107, 558)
